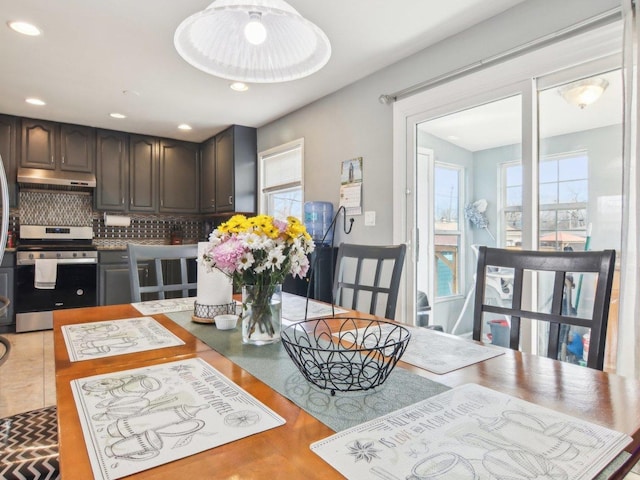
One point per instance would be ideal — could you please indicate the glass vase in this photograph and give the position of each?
(261, 313)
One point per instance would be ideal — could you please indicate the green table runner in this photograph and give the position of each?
(272, 365)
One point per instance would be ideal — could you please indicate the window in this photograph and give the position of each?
(563, 201)
(512, 204)
(281, 174)
(447, 231)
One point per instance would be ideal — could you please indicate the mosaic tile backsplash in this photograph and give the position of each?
(76, 209)
(64, 209)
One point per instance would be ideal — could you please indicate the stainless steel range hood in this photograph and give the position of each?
(39, 176)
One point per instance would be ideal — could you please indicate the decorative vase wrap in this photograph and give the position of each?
(261, 313)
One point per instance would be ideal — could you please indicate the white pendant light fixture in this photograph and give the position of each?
(254, 41)
(584, 92)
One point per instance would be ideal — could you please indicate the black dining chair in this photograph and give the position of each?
(368, 274)
(154, 259)
(575, 300)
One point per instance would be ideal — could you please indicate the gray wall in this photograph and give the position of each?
(352, 123)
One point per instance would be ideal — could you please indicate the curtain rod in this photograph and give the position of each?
(602, 19)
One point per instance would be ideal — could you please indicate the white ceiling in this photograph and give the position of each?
(93, 51)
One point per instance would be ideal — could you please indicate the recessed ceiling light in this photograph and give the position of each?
(184, 126)
(35, 101)
(117, 115)
(25, 28)
(239, 86)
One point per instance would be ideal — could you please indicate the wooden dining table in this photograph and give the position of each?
(606, 399)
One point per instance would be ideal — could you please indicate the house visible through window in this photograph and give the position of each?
(447, 231)
(281, 180)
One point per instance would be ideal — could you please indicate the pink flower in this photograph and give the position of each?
(280, 225)
(227, 255)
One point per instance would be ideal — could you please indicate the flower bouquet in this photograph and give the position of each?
(258, 253)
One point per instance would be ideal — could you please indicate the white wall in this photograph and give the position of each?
(352, 123)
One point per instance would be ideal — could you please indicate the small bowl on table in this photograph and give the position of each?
(226, 322)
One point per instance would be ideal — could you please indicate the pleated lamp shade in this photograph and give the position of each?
(215, 42)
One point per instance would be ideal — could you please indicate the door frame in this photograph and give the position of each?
(517, 76)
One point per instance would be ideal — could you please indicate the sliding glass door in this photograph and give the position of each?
(533, 164)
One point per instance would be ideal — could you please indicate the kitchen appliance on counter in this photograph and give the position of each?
(56, 268)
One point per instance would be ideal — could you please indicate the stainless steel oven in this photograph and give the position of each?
(71, 262)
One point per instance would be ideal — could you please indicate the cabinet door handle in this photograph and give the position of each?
(213, 202)
(230, 199)
(122, 200)
(63, 159)
(51, 159)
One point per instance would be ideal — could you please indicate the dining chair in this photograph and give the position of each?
(157, 257)
(368, 274)
(553, 276)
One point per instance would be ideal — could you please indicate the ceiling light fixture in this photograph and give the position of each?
(255, 41)
(239, 86)
(35, 101)
(584, 92)
(184, 126)
(25, 28)
(117, 115)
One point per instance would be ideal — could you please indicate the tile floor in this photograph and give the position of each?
(27, 378)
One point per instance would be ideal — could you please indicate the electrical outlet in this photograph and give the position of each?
(370, 219)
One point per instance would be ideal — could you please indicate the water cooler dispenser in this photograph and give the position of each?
(317, 219)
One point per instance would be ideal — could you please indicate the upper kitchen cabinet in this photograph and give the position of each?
(9, 152)
(143, 173)
(112, 164)
(235, 170)
(208, 176)
(179, 176)
(54, 146)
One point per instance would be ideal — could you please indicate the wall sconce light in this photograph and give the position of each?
(584, 92)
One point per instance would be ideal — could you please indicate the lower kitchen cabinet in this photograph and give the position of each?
(6, 290)
(114, 286)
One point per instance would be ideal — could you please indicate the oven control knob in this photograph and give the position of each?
(58, 255)
(42, 255)
(75, 254)
(31, 256)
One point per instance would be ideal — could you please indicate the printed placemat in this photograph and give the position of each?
(472, 432)
(141, 418)
(154, 307)
(88, 341)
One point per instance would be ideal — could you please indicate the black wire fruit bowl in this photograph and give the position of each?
(345, 354)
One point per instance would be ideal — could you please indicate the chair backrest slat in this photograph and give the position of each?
(157, 254)
(393, 254)
(562, 264)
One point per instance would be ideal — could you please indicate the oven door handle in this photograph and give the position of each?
(61, 261)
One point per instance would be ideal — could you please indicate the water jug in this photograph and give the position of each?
(317, 219)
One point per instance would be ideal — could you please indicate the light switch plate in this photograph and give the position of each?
(370, 219)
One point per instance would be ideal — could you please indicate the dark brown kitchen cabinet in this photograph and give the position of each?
(9, 152)
(55, 146)
(112, 175)
(179, 176)
(208, 176)
(7, 290)
(114, 286)
(236, 170)
(143, 173)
